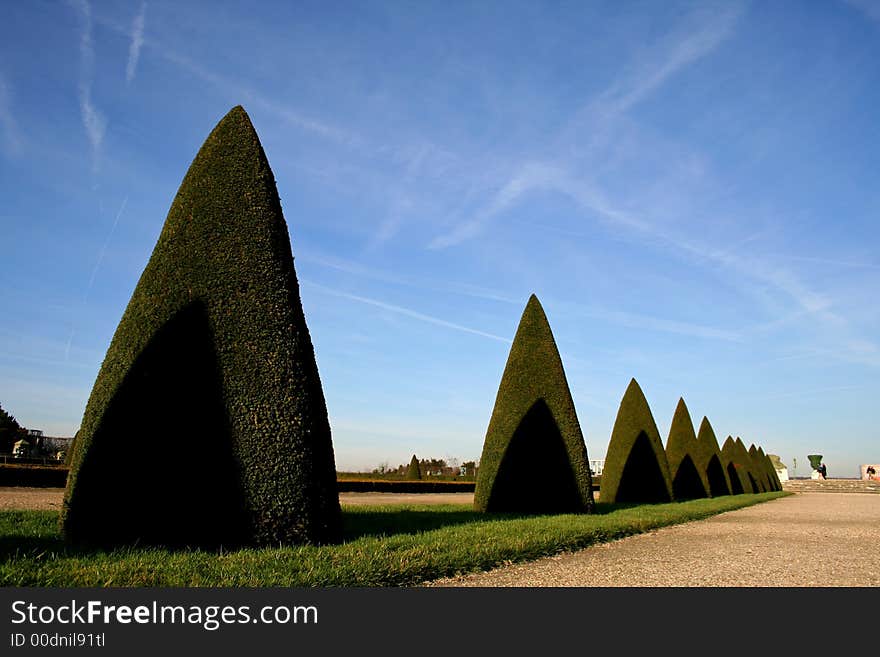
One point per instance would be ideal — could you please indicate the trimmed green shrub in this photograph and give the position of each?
(403, 486)
(736, 468)
(413, 472)
(749, 466)
(534, 458)
(775, 462)
(758, 469)
(33, 476)
(688, 481)
(207, 423)
(635, 465)
(708, 459)
(772, 479)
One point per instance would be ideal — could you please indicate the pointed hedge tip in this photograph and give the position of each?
(207, 423)
(636, 469)
(709, 460)
(534, 459)
(688, 481)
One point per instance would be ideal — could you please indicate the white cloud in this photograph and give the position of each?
(406, 312)
(870, 8)
(137, 40)
(697, 38)
(12, 135)
(94, 122)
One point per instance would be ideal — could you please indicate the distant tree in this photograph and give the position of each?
(413, 472)
(10, 431)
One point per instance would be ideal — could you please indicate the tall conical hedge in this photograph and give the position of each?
(758, 469)
(207, 422)
(743, 465)
(709, 460)
(688, 481)
(776, 462)
(768, 469)
(534, 458)
(414, 472)
(771, 470)
(635, 465)
(749, 466)
(737, 469)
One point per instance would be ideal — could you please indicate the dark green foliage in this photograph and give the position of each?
(403, 486)
(413, 472)
(534, 458)
(769, 470)
(635, 464)
(758, 469)
(707, 457)
(33, 476)
(10, 431)
(746, 458)
(743, 465)
(774, 476)
(736, 468)
(207, 423)
(688, 482)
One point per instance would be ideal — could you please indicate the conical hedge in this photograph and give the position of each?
(744, 457)
(775, 462)
(774, 476)
(207, 423)
(768, 469)
(688, 481)
(758, 469)
(736, 468)
(745, 466)
(414, 472)
(635, 465)
(534, 458)
(710, 462)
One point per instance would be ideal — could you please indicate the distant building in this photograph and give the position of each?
(779, 466)
(21, 449)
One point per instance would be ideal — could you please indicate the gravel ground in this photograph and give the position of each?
(32, 499)
(50, 498)
(807, 539)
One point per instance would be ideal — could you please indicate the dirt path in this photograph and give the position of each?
(50, 498)
(807, 539)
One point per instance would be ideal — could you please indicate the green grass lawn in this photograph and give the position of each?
(383, 546)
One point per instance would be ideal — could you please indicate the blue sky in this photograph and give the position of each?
(690, 189)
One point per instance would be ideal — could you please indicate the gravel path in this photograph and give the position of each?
(807, 539)
(51, 498)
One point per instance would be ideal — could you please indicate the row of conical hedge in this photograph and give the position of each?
(535, 458)
(207, 424)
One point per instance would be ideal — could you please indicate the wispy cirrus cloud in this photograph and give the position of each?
(137, 41)
(406, 312)
(247, 94)
(699, 35)
(11, 133)
(94, 122)
(645, 322)
(870, 8)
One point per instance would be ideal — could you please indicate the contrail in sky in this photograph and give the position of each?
(95, 270)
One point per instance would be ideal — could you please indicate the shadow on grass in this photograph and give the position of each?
(33, 534)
